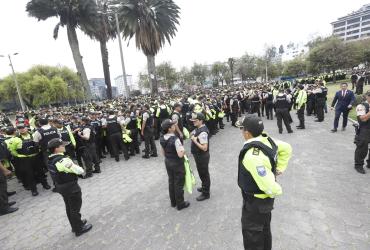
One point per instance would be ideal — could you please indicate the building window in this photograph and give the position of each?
(339, 29)
(341, 34)
(352, 32)
(367, 17)
(339, 24)
(354, 20)
(366, 34)
(365, 23)
(365, 29)
(352, 37)
(353, 26)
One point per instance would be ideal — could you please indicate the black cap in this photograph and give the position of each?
(252, 124)
(56, 142)
(21, 125)
(177, 104)
(166, 124)
(197, 116)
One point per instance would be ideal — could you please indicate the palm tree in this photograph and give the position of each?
(102, 29)
(152, 22)
(72, 14)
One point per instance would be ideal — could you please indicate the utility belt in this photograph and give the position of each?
(68, 187)
(253, 204)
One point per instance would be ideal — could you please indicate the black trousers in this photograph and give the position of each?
(256, 108)
(116, 143)
(362, 147)
(92, 156)
(234, 118)
(269, 110)
(30, 172)
(176, 180)
(150, 147)
(3, 193)
(202, 161)
(256, 219)
(135, 140)
(300, 114)
(283, 115)
(73, 203)
(320, 105)
(359, 89)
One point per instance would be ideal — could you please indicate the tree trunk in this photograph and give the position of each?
(73, 43)
(152, 75)
(104, 58)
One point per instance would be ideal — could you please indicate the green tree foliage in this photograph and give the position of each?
(200, 73)
(44, 85)
(246, 66)
(295, 67)
(152, 22)
(167, 75)
(185, 77)
(220, 72)
(329, 55)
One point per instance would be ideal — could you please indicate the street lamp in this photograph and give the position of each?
(16, 81)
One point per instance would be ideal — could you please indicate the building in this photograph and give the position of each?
(121, 86)
(293, 50)
(99, 89)
(355, 26)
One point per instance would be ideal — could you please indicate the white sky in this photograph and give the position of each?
(210, 30)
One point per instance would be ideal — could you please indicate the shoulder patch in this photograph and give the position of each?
(261, 171)
(256, 151)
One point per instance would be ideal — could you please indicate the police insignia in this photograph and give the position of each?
(261, 171)
(256, 151)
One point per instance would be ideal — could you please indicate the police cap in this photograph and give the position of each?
(252, 124)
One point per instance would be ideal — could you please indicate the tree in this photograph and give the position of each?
(152, 22)
(167, 75)
(144, 82)
(200, 73)
(102, 29)
(44, 85)
(71, 14)
(295, 67)
(246, 66)
(185, 77)
(281, 49)
(329, 55)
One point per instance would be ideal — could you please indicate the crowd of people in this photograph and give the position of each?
(76, 139)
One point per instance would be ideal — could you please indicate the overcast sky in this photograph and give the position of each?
(209, 30)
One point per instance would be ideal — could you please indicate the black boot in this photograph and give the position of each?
(203, 197)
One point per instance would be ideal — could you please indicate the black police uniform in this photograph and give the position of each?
(150, 147)
(89, 154)
(97, 125)
(114, 133)
(320, 103)
(234, 111)
(3, 184)
(202, 160)
(175, 170)
(132, 126)
(67, 185)
(363, 140)
(282, 112)
(70, 149)
(46, 136)
(270, 106)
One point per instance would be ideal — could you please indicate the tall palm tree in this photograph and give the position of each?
(152, 22)
(72, 14)
(102, 29)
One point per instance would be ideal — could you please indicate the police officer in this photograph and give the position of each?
(43, 135)
(27, 160)
(301, 104)
(5, 205)
(200, 151)
(363, 136)
(234, 110)
(87, 135)
(174, 153)
(66, 135)
(64, 174)
(282, 104)
(147, 131)
(114, 133)
(177, 117)
(257, 173)
(321, 93)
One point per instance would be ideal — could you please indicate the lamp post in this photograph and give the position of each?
(16, 81)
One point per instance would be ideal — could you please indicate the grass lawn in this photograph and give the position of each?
(333, 88)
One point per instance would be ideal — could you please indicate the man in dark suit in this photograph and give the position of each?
(343, 102)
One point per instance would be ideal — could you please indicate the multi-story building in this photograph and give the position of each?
(121, 86)
(354, 26)
(98, 88)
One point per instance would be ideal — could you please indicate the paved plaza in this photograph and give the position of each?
(325, 204)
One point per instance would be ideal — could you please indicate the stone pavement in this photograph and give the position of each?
(325, 204)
